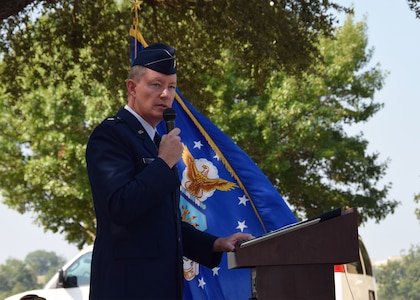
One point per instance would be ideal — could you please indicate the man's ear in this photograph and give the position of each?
(131, 87)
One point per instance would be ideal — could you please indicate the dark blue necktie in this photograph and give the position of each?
(156, 139)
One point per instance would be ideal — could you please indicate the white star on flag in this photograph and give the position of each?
(242, 200)
(216, 271)
(241, 226)
(198, 145)
(201, 283)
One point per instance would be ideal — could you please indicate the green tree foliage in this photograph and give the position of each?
(43, 262)
(400, 279)
(417, 200)
(58, 81)
(16, 277)
(263, 35)
(295, 130)
(63, 67)
(415, 6)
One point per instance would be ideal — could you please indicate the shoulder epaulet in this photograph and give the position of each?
(113, 119)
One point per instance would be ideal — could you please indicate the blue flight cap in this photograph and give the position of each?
(158, 57)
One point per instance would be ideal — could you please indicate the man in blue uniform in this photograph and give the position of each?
(140, 238)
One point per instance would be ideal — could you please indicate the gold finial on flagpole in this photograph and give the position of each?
(135, 5)
(135, 8)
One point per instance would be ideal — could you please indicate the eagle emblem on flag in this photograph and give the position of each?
(200, 178)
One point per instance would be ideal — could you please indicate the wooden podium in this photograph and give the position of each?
(300, 264)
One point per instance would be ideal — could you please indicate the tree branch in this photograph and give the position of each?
(12, 7)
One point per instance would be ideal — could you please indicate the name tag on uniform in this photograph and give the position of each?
(148, 160)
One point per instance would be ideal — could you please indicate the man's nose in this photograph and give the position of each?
(165, 92)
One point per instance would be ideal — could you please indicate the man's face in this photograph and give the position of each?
(152, 95)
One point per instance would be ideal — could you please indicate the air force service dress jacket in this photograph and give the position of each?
(140, 240)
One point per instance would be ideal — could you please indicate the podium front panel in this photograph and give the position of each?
(314, 282)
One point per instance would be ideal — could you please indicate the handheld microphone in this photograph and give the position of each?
(169, 115)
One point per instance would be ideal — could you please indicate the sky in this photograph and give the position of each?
(394, 132)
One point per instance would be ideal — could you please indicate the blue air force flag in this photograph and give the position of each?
(222, 192)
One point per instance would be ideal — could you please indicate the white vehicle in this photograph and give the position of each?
(353, 281)
(69, 283)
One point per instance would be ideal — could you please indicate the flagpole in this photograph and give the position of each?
(134, 30)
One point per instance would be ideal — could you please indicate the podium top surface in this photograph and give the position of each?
(292, 227)
(332, 241)
(284, 230)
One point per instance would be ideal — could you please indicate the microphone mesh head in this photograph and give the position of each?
(169, 114)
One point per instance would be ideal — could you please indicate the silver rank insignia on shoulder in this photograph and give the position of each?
(148, 160)
(141, 131)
